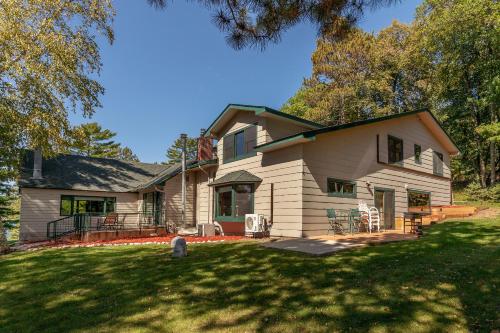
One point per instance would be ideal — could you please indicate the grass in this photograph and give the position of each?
(446, 281)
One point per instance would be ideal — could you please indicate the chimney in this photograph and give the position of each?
(37, 164)
(204, 147)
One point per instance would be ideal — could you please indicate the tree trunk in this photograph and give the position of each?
(482, 163)
(493, 150)
(3, 239)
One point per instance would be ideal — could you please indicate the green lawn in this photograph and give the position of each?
(446, 281)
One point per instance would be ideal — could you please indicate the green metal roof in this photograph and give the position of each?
(236, 177)
(311, 135)
(258, 109)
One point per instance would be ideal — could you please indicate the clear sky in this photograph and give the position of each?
(171, 71)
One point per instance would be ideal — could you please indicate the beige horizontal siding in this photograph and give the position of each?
(173, 199)
(352, 155)
(40, 206)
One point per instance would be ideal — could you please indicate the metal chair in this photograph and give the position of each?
(355, 220)
(335, 225)
(374, 216)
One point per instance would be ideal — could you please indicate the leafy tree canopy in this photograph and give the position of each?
(48, 58)
(174, 153)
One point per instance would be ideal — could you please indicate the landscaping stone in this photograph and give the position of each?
(179, 247)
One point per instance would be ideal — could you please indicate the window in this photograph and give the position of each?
(395, 149)
(418, 154)
(341, 188)
(437, 163)
(240, 144)
(233, 202)
(419, 201)
(71, 205)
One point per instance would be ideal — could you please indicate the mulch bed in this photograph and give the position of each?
(129, 241)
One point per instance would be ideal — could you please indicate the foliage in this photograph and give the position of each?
(360, 76)
(445, 61)
(447, 281)
(474, 192)
(48, 58)
(6, 213)
(258, 22)
(91, 140)
(125, 153)
(174, 153)
(459, 40)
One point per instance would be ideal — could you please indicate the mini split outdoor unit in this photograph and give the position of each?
(255, 223)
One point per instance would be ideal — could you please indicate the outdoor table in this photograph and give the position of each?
(413, 220)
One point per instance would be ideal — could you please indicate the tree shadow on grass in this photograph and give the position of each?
(446, 281)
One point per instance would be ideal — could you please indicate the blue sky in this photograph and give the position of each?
(171, 71)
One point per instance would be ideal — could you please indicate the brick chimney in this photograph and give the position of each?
(204, 147)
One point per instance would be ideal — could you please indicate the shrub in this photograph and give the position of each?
(474, 192)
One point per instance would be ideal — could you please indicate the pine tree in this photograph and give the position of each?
(91, 140)
(127, 154)
(6, 214)
(174, 153)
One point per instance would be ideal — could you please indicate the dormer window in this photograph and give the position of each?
(240, 144)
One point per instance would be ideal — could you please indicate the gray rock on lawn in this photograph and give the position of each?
(179, 247)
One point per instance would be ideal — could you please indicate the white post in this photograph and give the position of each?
(183, 185)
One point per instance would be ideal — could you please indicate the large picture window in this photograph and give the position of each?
(395, 149)
(98, 206)
(240, 144)
(341, 188)
(419, 201)
(233, 202)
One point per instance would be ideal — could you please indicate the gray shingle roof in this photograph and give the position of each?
(88, 173)
(240, 176)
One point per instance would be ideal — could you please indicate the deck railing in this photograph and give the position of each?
(79, 223)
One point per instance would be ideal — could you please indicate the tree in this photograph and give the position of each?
(127, 154)
(360, 76)
(258, 22)
(91, 140)
(174, 153)
(459, 40)
(6, 213)
(48, 58)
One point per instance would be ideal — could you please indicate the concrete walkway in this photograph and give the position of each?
(324, 245)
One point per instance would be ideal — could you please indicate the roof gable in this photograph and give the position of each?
(262, 111)
(425, 116)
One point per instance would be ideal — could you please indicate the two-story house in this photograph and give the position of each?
(267, 162)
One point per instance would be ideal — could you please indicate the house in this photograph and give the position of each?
(268, 162)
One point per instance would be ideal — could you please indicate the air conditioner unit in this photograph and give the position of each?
(255, 223)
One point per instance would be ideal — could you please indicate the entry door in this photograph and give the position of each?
(384, 202)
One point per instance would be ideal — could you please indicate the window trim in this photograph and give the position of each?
(72, 198)
(389, 153)
(419, 159)
(421, 192)
(440, 156)
(232, 218)
(232, 136)
(339, 194)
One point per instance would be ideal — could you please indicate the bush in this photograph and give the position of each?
(474, 192)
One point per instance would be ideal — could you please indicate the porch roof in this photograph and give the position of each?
(236, 177)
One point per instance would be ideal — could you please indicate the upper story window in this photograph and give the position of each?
(395, 149)
(98, 206)
(437, 163)
(418, 154)
(341, 188)
(240, 144)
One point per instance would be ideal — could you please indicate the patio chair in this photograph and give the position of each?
(335, 224)
(355, 220)
(365, 215)
(110, 221)
(374, 216)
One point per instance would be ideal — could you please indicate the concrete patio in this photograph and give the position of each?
(327, 244)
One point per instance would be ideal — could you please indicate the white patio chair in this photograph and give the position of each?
(374, 218)
(364, 211)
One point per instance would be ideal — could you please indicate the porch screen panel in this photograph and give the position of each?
(419, 201)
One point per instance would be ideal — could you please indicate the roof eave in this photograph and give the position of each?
(285, 142)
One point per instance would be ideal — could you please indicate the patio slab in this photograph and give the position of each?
(323, 245)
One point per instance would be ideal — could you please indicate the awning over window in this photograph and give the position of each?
(236, 177)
